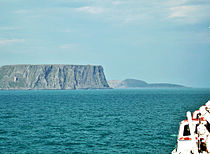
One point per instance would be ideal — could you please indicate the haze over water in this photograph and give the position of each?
(95, 121)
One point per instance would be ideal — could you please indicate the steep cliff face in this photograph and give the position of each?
(52, 77)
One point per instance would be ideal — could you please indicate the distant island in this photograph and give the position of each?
(52, 77)
(133, 83)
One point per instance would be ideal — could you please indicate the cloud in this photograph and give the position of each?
(67, 46)
(116, 2)
(9, 28)
(90, 9)
(175, 2)
(135, 18)
(22, 11)
(190, 13)
(68, 30)
(124, 12)
(182, 11)
(5, 42)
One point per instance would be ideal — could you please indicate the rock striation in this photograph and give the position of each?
(52, 77)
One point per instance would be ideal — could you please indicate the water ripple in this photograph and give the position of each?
(94, 121)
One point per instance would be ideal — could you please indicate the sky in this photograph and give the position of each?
(152, 40)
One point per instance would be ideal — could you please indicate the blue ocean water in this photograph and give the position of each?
(94, 121)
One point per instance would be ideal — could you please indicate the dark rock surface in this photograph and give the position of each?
(52, 77)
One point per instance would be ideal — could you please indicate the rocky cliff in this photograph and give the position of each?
(52, 77)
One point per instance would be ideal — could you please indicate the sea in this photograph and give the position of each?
(95, 121)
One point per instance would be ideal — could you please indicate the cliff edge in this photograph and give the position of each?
(52, 77)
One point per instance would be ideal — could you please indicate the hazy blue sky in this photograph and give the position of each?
(152, 40)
